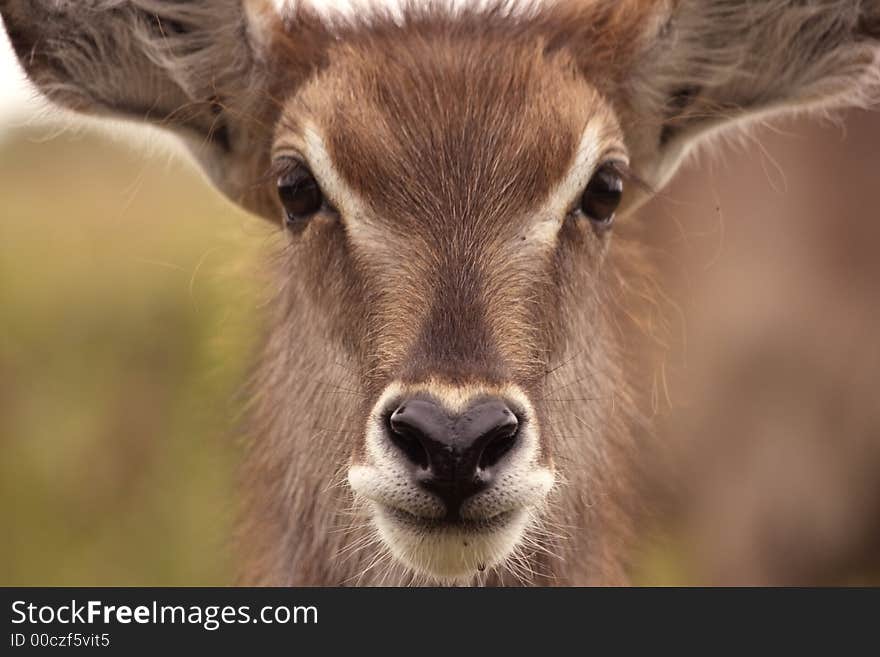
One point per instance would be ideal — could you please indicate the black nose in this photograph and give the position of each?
(454, 454)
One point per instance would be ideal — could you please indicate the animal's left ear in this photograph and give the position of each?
(699, 65)
(199, 68)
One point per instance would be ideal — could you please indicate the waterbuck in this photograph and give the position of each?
(461, 262)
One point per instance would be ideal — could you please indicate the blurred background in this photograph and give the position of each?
(129, 301)
(128, 305)
(771, 444)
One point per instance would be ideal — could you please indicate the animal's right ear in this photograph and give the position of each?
(685, 70)
(201, 68)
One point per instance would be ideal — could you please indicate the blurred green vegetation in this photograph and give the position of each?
(128, 312)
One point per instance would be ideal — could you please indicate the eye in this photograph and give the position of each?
(300, 194)
(602, 195)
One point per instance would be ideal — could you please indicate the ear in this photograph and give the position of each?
(200, 68)
(701, 65)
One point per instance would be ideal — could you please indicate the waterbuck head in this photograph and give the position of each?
(450, 182)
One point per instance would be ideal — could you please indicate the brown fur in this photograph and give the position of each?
(453, 129)
(446, 296)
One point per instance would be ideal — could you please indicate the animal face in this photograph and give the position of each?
(450, 204)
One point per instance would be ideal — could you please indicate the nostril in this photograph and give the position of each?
(406, 438)
(453, 451)
(498, 442)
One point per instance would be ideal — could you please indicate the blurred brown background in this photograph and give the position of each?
(128, 304)
(771, 249)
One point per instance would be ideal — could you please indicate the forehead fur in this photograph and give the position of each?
(448, 116)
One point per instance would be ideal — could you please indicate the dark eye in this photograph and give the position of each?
(299, 193)
(602, 195)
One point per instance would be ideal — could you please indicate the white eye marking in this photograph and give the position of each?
(343, 197)
(595, 142)
(354, 210)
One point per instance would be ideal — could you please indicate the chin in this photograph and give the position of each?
(450, 552)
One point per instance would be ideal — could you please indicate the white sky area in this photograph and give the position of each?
(16, 97)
